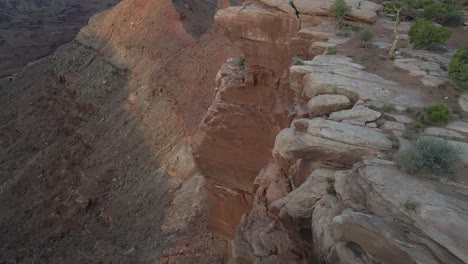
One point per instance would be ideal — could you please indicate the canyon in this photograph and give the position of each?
(223, 132)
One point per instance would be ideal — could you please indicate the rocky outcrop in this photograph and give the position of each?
(327, 194)
(364, 11)
(337, 74)
(236, 136)
(371, 214)
(252, 99)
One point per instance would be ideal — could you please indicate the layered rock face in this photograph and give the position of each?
(235, 138)
(252, 102)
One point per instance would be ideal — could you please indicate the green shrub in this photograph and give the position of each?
(331, 50)
(410, 205)
(458, 67)
(425, 35)
(340, 9)
(453, 18)
(297, 61)
(431, 154)
(366, 36)
(437, 114)
(435, 10)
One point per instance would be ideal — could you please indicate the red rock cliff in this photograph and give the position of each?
(236, 136)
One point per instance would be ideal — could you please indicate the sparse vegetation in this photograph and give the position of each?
(453, 18)
(426, 35)
(441, 11)
(410, 205)
(437, 114)
(458, 68)
(366, 36)
(434, 11)
(340, 9)
(350, 26)
(429, 154)
(297, 61)
(331, 186)
(331, 50)
(384, 109)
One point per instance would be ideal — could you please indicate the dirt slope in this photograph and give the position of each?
(95, 163)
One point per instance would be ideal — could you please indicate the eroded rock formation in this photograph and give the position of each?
(252, 102)
(326, 192)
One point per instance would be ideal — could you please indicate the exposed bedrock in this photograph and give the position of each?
(253, 101)
(237, 134)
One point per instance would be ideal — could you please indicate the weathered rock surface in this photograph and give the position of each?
(443, 132)
(429, 67)
(360, 10)
(359, 114)
(336, 74)
(326, 104)
(392, 125)
(329, 141)
(460, 126)
(463, 102)
(361, 215)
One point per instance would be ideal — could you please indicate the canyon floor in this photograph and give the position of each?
(97, 162)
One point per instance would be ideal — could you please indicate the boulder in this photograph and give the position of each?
(391, 125)
(326, 104)
(327, 140)
(359, 113)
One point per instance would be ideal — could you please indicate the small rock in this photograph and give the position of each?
(371, 125)
(391, 125)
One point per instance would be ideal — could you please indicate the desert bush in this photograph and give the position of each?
(437, 114)
(458, 67)
(366, 36)
(442, 11)
(453, 18)
(425, 35)
(340, 9)
(435, 10)
(430, 154)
